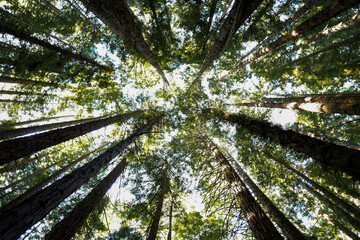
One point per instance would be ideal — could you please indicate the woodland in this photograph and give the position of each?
(180, 119)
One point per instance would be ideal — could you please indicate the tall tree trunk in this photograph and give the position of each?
(34, 129)
(33, 121)
(117, 15)
(335, 103)
(6, 79)
(287, 227)
(343, 228)
(158, 212)
(170, 222)
(353, 210)
(11, 150)
(20, 163)
(67, 228)
(340, 158)
(55, 9)
(310, 4)
(336, 209)
(16, 220)
(241, 10)
(337, 7)
(259, 223)
(23, 93)
(22, 35)
(37, 187)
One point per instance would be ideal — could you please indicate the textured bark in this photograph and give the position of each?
(288, 228)
(336, 209)
(241, 10)
(327, 103)
(20, 163)
(37, 187)
(339, 158)
(337, 7)
(353, 210)
(259, 223)
(158, 212)
(22, 35)
(11, 150)
(16, 220)
(336, 28)
(310, 4)
(6, 79)
(117, 15)
(67, 228)
(34, 129)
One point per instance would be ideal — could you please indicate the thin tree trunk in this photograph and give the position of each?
(336, 209)
(211, 17)
(20, 163)
(158, 212)
(14, 101)
(23, 93)
(287, 227)
(26, 37)
(67, 228)
(11, 150)
(39, 120)
(343, 228)
(23, 81)
(355, 211)
(310, 4)
(34, 129)
(241, 10)
(37, 187)
(259, 223)
(55, 9)
(337, 7)
(340, 158)
(117, 15)
(16, 220)
(170, 222)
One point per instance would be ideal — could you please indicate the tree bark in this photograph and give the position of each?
(22, 35)
(158, 212)
(23, 81)
(337, 7)
(259, 223)
(336, 209)
(67, 228)
(170, 222)
(16, 220)
(34, 129)
(339, 158)
(37, 187)
(117, 15)
(353, 210)
(336, 103)
(11, 150)
(287, 227)
(241, 10)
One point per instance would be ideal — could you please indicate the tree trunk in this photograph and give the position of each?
(117, 15)
(259, 223)
(337, 7)
(67, 228)
(11, 150)
(35, 121)
(343, 228)
(355, 211)
(34, 129)
(55, 9)
(6, 79)
(37, 187)
(288, 228)
(170, 222)
(22, 35)
(241, 10)
(335, 103)
(336, 209)
(158, 212)
(16, 220)
(23, 93)
(340, 158)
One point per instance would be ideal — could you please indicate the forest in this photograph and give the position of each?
(179, 119)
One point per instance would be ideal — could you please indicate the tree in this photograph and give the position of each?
(30, 211)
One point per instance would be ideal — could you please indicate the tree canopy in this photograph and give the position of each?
(199, 119)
